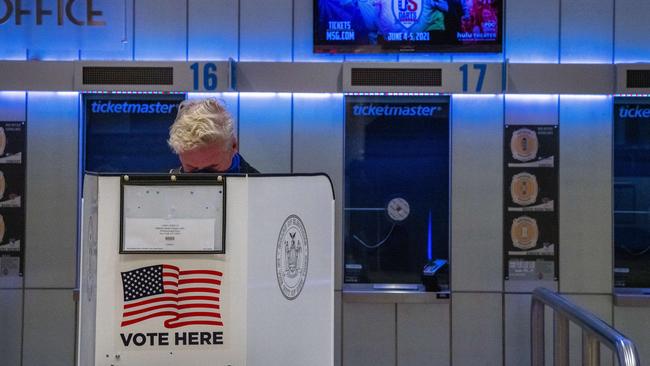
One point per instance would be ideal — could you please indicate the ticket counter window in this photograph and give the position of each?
(632, 193)
(396, 188)
(128, 133)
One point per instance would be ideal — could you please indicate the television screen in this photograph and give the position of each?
(128, 133)
(380, 26)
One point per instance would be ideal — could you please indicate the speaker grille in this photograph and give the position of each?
(122, 75)
(638, 78)
(396, 77)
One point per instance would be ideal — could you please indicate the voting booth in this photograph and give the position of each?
(204, 269)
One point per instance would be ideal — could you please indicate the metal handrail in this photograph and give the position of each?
(594, 332)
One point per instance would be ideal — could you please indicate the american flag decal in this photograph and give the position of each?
(183, 297)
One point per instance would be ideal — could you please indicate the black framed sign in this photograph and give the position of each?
(12, 197)
(530, 202)
(173, 214)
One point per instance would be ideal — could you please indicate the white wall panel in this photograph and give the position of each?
(213, 28)
(11, 317)
(586, 31)
(532, 30)
(476, 143)
(631, 29)
(49, 328)
(477, 329)
(517, 331)
(266, 30)
(160, 30)
(601, 306)
(585, 194)
(51, 189)
(338, 327)
(318, 147)
(633, 323)
(423, 334)
(368, 334)
(265, 131)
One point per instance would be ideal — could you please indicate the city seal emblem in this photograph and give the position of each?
(292, 257)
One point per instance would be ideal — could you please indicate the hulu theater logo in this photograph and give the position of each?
(77, 12)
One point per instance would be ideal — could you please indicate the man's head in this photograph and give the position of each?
(203, 136)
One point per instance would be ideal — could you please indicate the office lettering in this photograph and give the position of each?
(42, 9)
(9, 8)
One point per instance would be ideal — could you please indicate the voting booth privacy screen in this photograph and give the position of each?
(128, 133)
(396, 213)
(266, 296)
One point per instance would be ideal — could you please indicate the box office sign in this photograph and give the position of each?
(12, 198)
(63, 24)
(530, 204)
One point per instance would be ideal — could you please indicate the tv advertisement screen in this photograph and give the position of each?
(383, 26)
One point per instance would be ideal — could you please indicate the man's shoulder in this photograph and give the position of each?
(246, 168)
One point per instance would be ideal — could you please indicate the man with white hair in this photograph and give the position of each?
(203, 136)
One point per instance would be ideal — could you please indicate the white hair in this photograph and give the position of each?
(200, 123)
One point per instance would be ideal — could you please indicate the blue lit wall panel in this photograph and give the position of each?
(531, 109)
(585, 194)
(52, 168)
(390, 57)
(265, 131)
(53, 55)
(125, 50)
(12, 106)
(587, 31)
(266, 30)
(477, 157)
(483, 57)
(15, 53)
(631, 29)
(160, 30)
(532, 30)
(212, 29)
(318, 128)
(425, 57)
(303, 35)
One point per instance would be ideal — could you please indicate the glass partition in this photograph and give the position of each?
(396, 189)
(631, 193)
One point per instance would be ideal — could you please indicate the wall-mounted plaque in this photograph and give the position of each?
(12, 197)
(530, 212)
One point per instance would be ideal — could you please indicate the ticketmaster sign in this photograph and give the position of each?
(63, 24)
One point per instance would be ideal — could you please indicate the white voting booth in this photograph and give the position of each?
(207, 270)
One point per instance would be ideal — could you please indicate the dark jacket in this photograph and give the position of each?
(244, 168)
